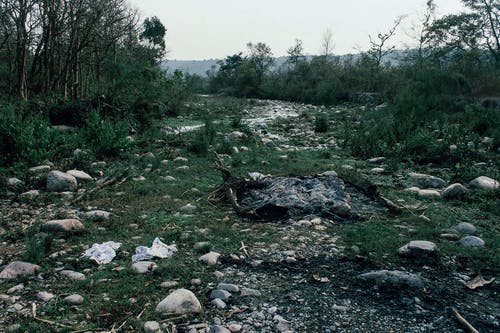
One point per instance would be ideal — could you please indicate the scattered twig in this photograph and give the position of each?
(237, 311)
(142, 312)
(51, 322)
(100, 187)
(244, 249)
(464, 322)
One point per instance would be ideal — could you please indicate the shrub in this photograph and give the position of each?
(321, 123)
(105, 137)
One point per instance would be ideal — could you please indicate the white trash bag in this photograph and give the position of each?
(102, 253)
(158, 250)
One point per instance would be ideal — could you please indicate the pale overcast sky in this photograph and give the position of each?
(203, 29)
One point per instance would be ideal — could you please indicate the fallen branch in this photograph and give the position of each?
(464, 322)
(51, 322)
(244, 249)
(100, 187)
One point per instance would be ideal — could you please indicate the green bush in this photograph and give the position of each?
(105, 137)
(28, 138)
(321, 123)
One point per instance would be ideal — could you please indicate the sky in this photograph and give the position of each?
(214, 29)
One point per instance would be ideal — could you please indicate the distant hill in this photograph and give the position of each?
(200, 67)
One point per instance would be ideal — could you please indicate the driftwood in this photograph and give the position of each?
(227, 191)
(468, 327)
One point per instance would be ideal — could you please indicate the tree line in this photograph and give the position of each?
(71, 48)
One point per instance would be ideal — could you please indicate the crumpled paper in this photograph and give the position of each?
(158, 250)
(102, 253)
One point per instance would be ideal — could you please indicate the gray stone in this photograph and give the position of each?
(466, 228)
(218, 329)
(180, 301)
(220, 294)
(236, 135)
(393, 278)
(218, 303)
(17, 269)
(189, 208)
(472, 242)
(16, 289)
(419, 249)
(228, 287)
(143, 267)
(485, 183)
(235, 328)
(201, 246)
(66, 226)
(211, 258)
(377, 170)
(14, 183)
(330, 173)
(250, 292)
(428, 180)
(169, 284)
(74, 299)
(72, 275)
(45, 296)
(98, 215)
(152, 327)
(29, 195)
(41, 169)
(428, 194)
(80, 175)
(376, 160)
(58, 181)
(455, 191)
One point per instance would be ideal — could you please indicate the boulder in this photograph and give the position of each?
(80, 175)
(66, 226)
(454, 191)
(17, 269)
(465, 228)
(180, 301)
(427, 180)
(58, 181)
(485, 183)
(419, 249)
(472, 242)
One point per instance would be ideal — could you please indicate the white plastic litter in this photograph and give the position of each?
(102, 253)
(158, 250)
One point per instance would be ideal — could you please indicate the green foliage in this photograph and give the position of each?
(28, 137)
(321, 123)
(203, 139)
(37, 247)
(104, 136)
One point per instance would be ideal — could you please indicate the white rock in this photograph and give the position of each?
(14, 182)
(152, 327)
(169, 284)
(72, 275)
(45, 296)
(98, 215)
(485, 183)
(58, 181)
(189, 208)
(330, 173)
(211, 258)
(67, 226)
(377, 170)
(80, 175)
(143, 267)
(74, 299)
(428, 194)
(180, 301)
(17, 269)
